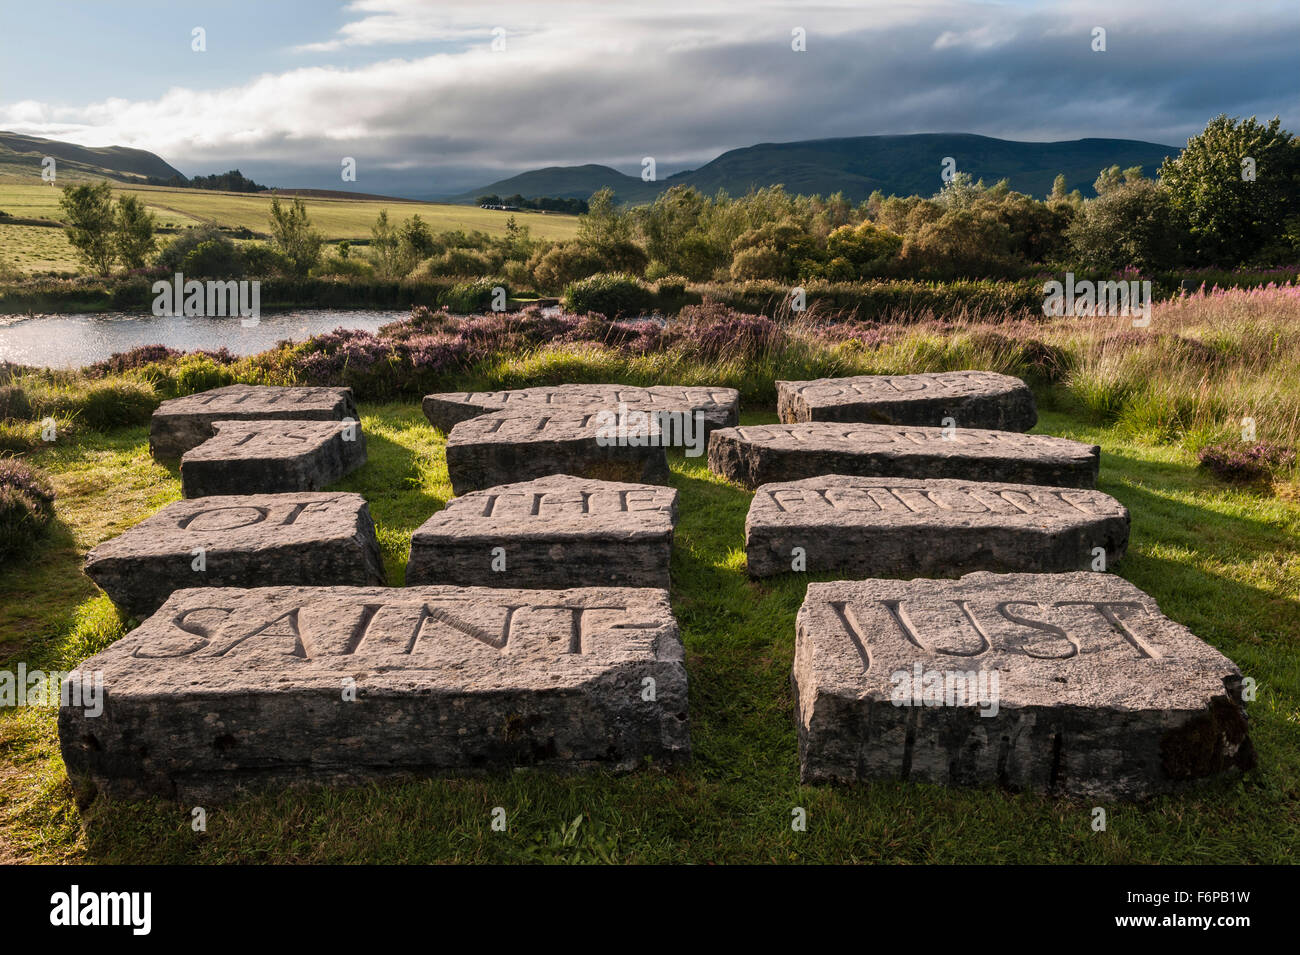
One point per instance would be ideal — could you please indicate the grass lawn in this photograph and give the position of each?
(1221, 560)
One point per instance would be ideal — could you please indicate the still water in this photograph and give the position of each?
(70, 341)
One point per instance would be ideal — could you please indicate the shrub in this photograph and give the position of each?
(454, 263)
(1246, 464)
(137, 357)
(213, 258)
(261, 259)
(202, 251)
(609, 294)
(117, 404)
(345, 267)
(197, 372)
(26, 507)
(563, 264)
(470, 297)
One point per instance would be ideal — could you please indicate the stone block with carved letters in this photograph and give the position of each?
(720, 407)
(753, 455)
(227, 690)
(183, 423)
(259, 540)
(272, 456)
(508, 447)
(899, 527)
(555, 532)
(1066, 683)
(969, 399)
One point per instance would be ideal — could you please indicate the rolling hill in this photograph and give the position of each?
(896, 165)
(22, 156)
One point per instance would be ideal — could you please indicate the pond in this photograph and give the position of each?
(71, 341)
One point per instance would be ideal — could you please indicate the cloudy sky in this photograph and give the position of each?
(415, 91)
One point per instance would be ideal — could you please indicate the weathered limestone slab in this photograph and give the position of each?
(972, 399)
(225, 690)
(1070, 683)
(555, 532)
(764, 454)
(260, 540)
(271, 457)
(507, 447)
(720, 406)
(898, 527)
(183, 423)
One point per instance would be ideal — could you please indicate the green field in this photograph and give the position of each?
(33, 249)
(1219, 560)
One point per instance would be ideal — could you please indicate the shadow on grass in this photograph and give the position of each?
(39, 594)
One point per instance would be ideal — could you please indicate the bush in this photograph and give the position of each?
(611, 295)
(215, 258)
(265, 260)
(202, 251)
(1246, 464)
(469, 297)
(455, 263)
(117, 404)
(199, 373)
(345, 267)
(26, 507)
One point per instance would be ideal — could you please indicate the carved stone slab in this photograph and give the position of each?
(896, 527)
(225, 690)
(554, 532)
(720, 406)
(764, 454)
(973, 399)
(271, 457)
(506, 447)
(183, 423)
(257, 540)
(1071, 683)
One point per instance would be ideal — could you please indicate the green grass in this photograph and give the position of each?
(38, 248)
(1220, 560)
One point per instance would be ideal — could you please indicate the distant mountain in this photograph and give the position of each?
(896, 165)
(22, 155)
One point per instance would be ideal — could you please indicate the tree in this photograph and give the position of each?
(1132, 224)
(1236, 183)
(605, 224)
(133, 238)
(1058, 188)
(293, 235)
(386, 247)
(417, 240)
(855, 253)
(90, 224)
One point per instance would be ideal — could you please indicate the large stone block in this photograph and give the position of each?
(183, 423)
(227, 690)
(719, 406)
(1066, 683)
(312, 539)
(505, 448)
(764, 454)
(972, 399)
(554, 532)
(896, 527)
(272, 457)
